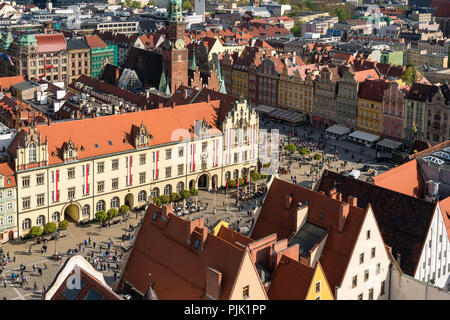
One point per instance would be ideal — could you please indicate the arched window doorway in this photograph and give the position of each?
(56, 217)
(142, 195)
(86, 210)
(235, 174)
(115, 202)
(100, 206)
(129, 201)
(26, 224)
(191, 184)
(40, 221)
(168, 189)
(155, 192)
(72, 213)
(203, 182)
(180, 186)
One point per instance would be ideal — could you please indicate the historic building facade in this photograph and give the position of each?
(347, 100)
(437, 112)
(73, 169)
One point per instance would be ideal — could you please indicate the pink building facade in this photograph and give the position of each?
(394, 109)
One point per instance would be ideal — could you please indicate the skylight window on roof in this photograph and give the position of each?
(447, 149)
(93, 295)
(434, 160)
(154, 215)
(197, 244)
(110, 142)
(442, 155)
(96, 145)
(71, 294)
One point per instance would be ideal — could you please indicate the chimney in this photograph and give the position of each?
(185, 94)
(173, 104)
(332, 193)
(209, 98)
(338, 196)
(353, 201)
(93, 115)
(398, 258)
(49, 122)
(166, 209)
(160, 105)
(287, 202)
(213, 283)
(344, 208)
(301, 215)
(77, 114)
(83, 116)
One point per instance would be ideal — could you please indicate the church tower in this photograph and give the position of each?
(175, 52)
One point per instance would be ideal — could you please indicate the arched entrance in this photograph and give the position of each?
(72, 213)
(129, 201)
(203, 182)
(191, 184)
(11, 235)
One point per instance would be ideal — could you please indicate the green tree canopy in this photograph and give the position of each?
(35, 231)
(411, 74)
(184, 194)
(187, 5)
(49, 227)
(174, 197)
(290, 147)
(157, 201)
(164, 198)
(297, 29)
(124, 209)
(63, 224)
(101, 215)
(193, 192)
(112, 213)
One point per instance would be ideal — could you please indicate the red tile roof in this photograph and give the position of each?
(373, 90)
(406, 178)
(445, 209)
(430, 150)
(90, 132)
(165, 248)
(443, 10)
(50, 42)
(322, 211)
(93, 285)
(7, 82)
(94, 41)
(363, 75)
(6, 170)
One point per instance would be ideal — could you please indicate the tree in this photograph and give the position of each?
(124, 209)
(136, 4)
(63, 224)
(151, 3)
(411, 74)
(35, 231)
(297, 29)
(101, 215)
(187, 5)
(112, 213)
(157, 201)
(290, 147)
(174, 197)
(49, 227)
(164, 198)
(304, 151)
(317, 156)
(255, 176)
(184, 194)
(193, 192)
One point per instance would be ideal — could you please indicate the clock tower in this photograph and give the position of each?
(175, 52)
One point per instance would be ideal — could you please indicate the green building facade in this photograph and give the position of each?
(100, 57)
(393, 57)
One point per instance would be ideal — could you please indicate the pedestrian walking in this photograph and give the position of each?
(89, 241)
(35, 287)
(93, 245)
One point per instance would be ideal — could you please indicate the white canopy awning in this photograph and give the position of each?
(364, 136)
(388, 143)
(338, 129)
(264, 109)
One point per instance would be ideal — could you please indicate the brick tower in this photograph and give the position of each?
(175, 52)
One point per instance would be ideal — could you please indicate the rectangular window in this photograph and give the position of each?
(40, 178)
(204, 146)
(71, 193)
(370, 294)
(142, 177)
(180, 151)
(382, 287)
(100, 186)
(168, 154)
(115, 183)
(142, 159)
(378, 268)
(26, 202)
(9, 206)
(25, 182)
(317, 287)
(372, 254)
(360, 297)
(361, 258)
(115, 164)
(366, 275)
(355, 281)
(246, 292)
(40, 200)
(100, 167)
(236, 157)
(168, 172)
(180, 169)
(71, 173)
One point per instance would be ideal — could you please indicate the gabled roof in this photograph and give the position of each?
(7, 82)
(373, 89)
(6, 170)
(92, 283)
(165, 247)
(430, 150)
(419, 92)
(445, 209)
(94, 41)
(403, 220)
(322, 211)
(406, 178)
(76, 44)
(50, 42)
(92, 135)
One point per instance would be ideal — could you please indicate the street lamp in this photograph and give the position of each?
(56, 236)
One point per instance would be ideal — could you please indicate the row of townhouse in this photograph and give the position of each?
(53, 57)
(73, 169)
(362, 95)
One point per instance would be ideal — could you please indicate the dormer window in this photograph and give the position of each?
(32, 152)
(196, 244)
(70, 154)
(141, 139)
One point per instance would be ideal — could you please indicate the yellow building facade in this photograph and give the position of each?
(369, 116)
(296, 93)
(319, 288)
